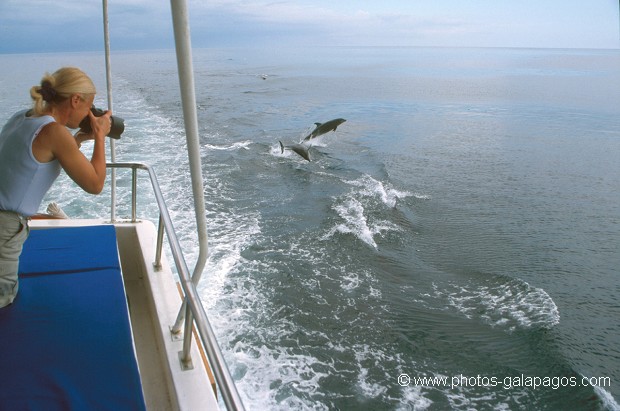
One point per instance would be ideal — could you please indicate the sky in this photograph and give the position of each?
(76, 25)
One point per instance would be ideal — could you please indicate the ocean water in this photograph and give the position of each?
(455, 244)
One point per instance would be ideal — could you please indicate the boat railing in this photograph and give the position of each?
(195, 312)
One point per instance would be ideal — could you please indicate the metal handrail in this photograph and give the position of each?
(225, 382)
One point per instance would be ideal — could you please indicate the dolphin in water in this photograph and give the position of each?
(322, 128)
(300, 149)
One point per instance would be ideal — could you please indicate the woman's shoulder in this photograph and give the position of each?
(52, 140)
(37, 121)
(21, 124)
(54, 130)
(30, 114)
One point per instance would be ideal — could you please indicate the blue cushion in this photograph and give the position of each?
(66, 341)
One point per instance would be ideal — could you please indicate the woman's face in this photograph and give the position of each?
(81, 106)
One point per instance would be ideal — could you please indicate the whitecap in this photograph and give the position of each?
(510, 304)
(608, 400)
(245, 145)
(420, 196)
(370, 187)
(368, 357)
(355, 223)
(369, 389)
(350, 282)
(265, 372)
(413, 398)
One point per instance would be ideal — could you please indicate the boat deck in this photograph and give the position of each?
(70, 344)
(83, 335)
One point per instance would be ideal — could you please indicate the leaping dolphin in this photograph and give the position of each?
(300, 149)
(322, 128)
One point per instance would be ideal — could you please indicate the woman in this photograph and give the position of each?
(34, 145)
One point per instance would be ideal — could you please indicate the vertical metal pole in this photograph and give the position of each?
(160, 243)
(134, 193)
(186, 355)
(108, 72)
(180, 20)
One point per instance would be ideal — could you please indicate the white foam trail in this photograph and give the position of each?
(230, 147)
(374, 188)
(350, 281)
(608, 400)
(267, 371)
(366, 191)
(356, 223)
(352, 212)
(413, 399)
(512, 304)
(230, 234)
(422, 196)
(363, 355)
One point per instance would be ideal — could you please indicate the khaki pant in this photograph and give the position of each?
(13, 233)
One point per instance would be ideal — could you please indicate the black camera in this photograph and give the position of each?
(117, 126)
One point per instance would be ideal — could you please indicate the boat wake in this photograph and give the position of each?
(230, 147)
(356, 223)
(361, 210)
(502, 302)
(369, 187)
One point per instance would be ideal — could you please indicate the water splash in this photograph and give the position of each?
(369, 187)
(352, 212)
(245, 145)
(501, 302)
(362, 207)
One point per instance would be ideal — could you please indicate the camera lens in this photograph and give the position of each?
(117, 123)
(117, 128)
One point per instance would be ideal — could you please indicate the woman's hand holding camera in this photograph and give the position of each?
(101, 125)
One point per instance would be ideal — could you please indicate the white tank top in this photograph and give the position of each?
(23, 180)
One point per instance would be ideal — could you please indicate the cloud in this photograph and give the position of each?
(287, 23)
(264, 11)
(75, 25)
(43, 12)
(39, 25)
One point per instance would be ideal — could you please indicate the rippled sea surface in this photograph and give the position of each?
(463, 224)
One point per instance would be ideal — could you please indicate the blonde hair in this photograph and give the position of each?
(58, 87)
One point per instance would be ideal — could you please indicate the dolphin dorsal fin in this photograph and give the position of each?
(318, 124)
